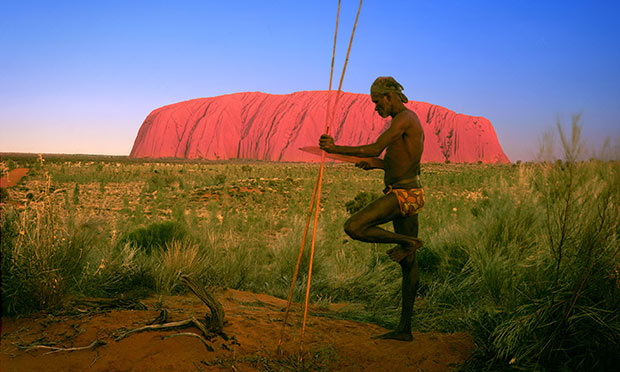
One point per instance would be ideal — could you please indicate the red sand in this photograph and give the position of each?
(13, 177)
(253, 319)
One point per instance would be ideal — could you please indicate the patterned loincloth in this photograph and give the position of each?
(410, 201)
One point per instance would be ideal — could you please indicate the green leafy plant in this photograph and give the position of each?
(155, 236)
(361, 200)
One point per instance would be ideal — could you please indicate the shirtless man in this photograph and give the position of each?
(403, 142)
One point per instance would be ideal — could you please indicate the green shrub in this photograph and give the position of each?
(43, 255)
(159, 181)
(542, 261)
(116, 270)
(155, 236)
(180, 258)
(4, 195)
(220, 179)
(360, 201)
(428, 261)
(10, 165)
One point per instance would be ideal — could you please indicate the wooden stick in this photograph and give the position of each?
(54, 349)
(190, 334)
(197, 367)
(216, 322)
(157, 327)
(301, 251)
(208, 329)
(318, 200)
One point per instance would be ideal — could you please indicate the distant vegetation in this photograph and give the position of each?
(523, 257)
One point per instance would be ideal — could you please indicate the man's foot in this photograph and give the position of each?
(395, 335)
(400, 252)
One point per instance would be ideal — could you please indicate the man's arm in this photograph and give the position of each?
(392, 134)
(370, 163)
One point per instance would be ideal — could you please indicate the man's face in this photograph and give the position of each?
(381, 104)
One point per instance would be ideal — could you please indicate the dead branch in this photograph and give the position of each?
(202, 339)
(215, 323)
(201, 326)
(161, 318)
(157, 327)
(197, 367)
(95, 344)
(209, 327)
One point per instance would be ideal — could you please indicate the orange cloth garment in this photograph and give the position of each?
(409, 200)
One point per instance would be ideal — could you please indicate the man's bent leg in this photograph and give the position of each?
(410, 282)
(363, 226)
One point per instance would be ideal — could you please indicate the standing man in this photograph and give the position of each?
(403, 143)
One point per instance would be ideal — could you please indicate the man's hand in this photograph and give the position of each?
(370, 163)
(326, 143)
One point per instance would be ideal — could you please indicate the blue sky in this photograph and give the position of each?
(81, 76)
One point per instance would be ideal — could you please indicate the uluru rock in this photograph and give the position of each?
(262, 126)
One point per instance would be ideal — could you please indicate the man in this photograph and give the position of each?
(403, 143)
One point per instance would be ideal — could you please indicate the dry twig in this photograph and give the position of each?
(95, 344)
(157, 327)
(209, 327)
(216, 322)
(202, 339)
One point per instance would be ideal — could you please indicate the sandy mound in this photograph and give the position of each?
(253, 323)
(13, 177)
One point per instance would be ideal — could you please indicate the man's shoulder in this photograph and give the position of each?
(412, 115)
(407, 117)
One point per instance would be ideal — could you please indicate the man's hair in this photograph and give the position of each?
(387, 84)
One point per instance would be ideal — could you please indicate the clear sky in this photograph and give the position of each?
(81, 76)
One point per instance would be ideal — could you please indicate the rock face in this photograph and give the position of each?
(262, 126)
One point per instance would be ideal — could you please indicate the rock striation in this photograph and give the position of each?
(262, 126)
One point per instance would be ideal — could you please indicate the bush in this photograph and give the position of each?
(159, 181)
(4, 195)
(155, 236)
(428, 260)
(543, 261)
(116, 271)
(43, 255)
(180, 258)
(220, 179)
(360, 201)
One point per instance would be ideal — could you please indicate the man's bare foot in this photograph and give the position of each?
(395, 335)
(400, 252)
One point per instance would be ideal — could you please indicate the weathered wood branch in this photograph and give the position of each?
(161, 318)
(157, 327)
(202, 339)
(209, 327)
(215, 322)
(95, 344)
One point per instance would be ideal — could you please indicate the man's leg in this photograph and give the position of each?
(411, 278)
(363, 226)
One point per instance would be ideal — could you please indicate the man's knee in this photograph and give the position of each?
(353, 228)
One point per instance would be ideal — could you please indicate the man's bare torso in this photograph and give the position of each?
(402, 157)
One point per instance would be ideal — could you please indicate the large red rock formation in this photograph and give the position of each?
(261, 126)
